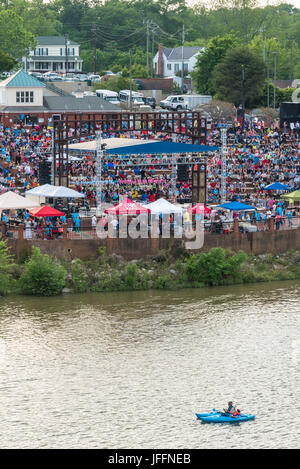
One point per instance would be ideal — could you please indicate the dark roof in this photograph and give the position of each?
(176, 52)
(66, 103)
(71, 103)
(49, 58)
(283, 83)
(54, 41)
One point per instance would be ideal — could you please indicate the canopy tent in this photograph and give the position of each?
(47, 190)
(292, 195)
(162, 206)
(12, 201)
(198, 208)
(127, 207)
(236, 206)
(276, 186)
(45, 211)
(132, 146)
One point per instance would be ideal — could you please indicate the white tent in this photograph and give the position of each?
(47, 190)
(12, 201)
(163, 206)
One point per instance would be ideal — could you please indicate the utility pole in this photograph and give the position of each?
(152, 55)
(130, 80)
(275, 71)
(147, 46)
(66, 52)
(182, 61)
(291, 38)
(243, 96)
(95, 50)
(268, 78)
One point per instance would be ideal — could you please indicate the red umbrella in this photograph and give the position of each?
(198, 208)
(127, 207)
(45, 211)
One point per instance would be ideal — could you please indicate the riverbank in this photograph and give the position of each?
(42, 275)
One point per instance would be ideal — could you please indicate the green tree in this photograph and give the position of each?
(7, 62)
(15, 39)
(42, 275)
(227, 76)
(206, 62)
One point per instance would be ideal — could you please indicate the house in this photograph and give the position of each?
(168, 61)
(53, 54)
(25, 99)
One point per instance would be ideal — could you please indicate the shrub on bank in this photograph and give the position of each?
(42, 275)
(5, 266)
(215, 267)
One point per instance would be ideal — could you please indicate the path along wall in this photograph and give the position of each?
(252, 243)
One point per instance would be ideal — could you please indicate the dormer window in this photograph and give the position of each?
(24, 96)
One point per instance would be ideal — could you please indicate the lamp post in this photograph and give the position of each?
(130, 80)
(291, 38)
(275, 71)
(243, 96)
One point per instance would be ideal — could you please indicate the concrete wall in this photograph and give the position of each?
(252, 243)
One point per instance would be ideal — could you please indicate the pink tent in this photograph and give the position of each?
(198, 208)
(127, 207)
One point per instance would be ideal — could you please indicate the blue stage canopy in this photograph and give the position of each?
(237, 206)
(277, 186)
(161, 147)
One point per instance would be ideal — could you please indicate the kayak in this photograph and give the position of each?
(218, 417)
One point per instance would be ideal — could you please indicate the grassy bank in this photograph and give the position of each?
(42, 275)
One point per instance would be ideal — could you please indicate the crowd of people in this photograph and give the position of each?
(256, 156)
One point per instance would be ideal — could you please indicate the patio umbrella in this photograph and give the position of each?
(163, 206)
(127, 207)
(45, 211)
(47, 190)
(198, 208)
(236, 206)
(292, 195)
(276, 186)
(12, 201)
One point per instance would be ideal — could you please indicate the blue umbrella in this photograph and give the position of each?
(276, 186)
(238, 206)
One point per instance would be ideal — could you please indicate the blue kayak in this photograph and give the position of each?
(218, 417)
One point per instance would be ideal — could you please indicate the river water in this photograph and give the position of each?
(129, 370)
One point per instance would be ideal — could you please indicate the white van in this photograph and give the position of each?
(136, 98)
(184, 102)
(110, 96)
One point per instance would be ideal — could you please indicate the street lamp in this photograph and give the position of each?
(291, 38)
(275, 70)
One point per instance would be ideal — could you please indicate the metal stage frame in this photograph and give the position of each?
(184, 123)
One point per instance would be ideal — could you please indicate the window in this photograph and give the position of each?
(186, 67)
(176, 68)
(73, 51)
(169, 66)
(61, 51)
(46, 50)
(24, 96)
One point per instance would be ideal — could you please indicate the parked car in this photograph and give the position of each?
(149, 101)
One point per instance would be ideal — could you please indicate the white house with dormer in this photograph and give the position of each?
(53, 54)
(21, 89)
(168, 61)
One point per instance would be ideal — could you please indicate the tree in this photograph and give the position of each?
(227, 76)
(218, 110)
(15, 39)
(7, 62)
(206, 62)
(5, 266)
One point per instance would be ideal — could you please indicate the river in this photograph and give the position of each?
(129, 370)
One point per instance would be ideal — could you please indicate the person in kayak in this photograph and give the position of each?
(230, 409)
(236, 413)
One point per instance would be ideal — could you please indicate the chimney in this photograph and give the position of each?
(160, 62)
